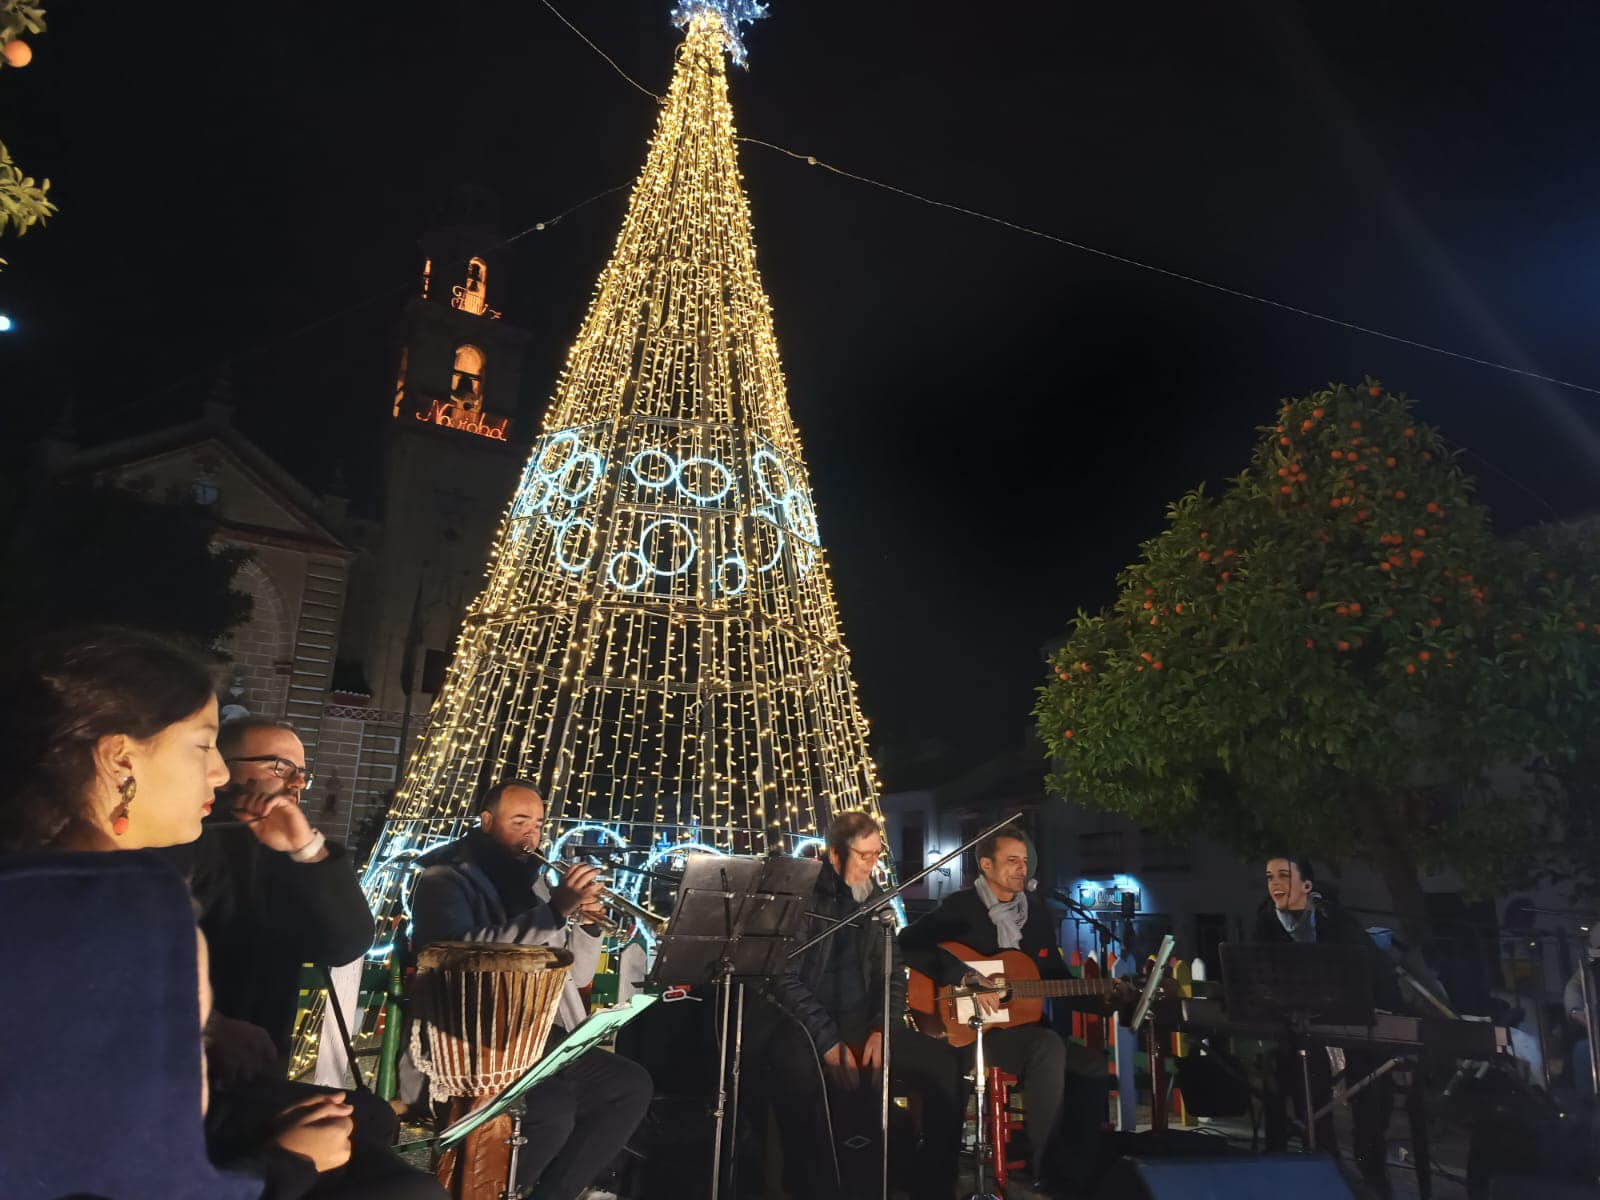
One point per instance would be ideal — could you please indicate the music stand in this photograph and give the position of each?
(734, 922)
(1298, 984)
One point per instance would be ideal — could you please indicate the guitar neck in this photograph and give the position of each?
(1047, 988)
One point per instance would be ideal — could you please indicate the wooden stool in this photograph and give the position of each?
(1003, 1120)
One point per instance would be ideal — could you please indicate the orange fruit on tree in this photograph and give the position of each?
(1374, 391)
(1317, 413)
(17, 53)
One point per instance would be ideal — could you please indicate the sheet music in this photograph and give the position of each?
(966, 1004)
(1157, 973)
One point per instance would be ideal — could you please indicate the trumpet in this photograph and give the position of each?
(653, 922)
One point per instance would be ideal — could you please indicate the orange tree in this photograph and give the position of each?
(1336, 656)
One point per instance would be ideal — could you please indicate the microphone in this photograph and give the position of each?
(1031, 886)
(1058, 897)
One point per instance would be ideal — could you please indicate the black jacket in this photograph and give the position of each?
(1337, 927)
(796, 990)
(962, 917)
(456, 900)
(264, 915)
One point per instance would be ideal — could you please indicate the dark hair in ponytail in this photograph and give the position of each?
(60, 693)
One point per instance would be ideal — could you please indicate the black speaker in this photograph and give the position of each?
(1520, 1187)
(1272, 1177)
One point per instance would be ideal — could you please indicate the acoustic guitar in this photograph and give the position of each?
(943, 1012)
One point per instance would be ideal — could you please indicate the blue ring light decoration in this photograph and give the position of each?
(777, 553)
(605, 831)
(644, 570)
(559, 550)
(655, 859)
(719, 583)
(558, 519)
(756, 460)
(403, 862)
(673, 468)
(597, 468)
(651, 528)
(800, 516)
(804, 844)
(532, 497)
(705, 497)
(565, 437)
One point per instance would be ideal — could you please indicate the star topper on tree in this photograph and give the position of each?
(734, 15)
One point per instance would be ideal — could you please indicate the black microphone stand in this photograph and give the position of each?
(1105, 936)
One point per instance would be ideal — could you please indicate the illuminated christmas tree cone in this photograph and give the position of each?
(657, 645)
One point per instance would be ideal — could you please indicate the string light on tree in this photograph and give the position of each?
(657, 643)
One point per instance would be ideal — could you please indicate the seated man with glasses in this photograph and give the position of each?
(272, 892)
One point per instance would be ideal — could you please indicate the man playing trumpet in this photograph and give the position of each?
(487, 888)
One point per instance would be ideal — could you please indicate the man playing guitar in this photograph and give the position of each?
(1065, 1083)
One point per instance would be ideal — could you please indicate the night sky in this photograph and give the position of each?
(993, 423)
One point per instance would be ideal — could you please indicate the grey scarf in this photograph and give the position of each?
(1301, 926)
(1008, 917)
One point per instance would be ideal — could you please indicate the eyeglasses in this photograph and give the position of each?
(281, 767)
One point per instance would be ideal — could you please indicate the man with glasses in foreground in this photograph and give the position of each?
(272, 894)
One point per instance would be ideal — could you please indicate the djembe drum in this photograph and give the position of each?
(484, 1012)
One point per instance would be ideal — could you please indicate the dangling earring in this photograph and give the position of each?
(119, 815)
